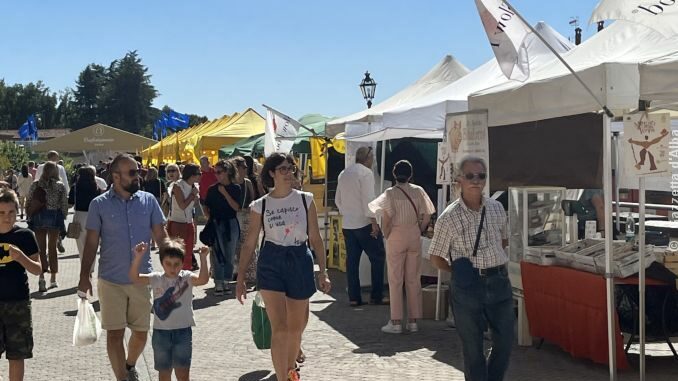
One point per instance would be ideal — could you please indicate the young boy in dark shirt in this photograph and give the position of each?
(18, 252)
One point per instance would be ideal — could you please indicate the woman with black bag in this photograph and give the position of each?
(221, 206)
(82, 193)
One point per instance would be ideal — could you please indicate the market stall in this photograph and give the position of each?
(609, 63)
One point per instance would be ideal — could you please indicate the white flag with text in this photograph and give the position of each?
(280, 132)
(660, 15)
(507, 34)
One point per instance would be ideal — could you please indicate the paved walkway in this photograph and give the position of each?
(341, 343)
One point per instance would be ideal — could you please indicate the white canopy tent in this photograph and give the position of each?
(425, 116)
(608, 63)
(445, 72)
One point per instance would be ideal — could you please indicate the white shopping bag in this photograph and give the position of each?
(87, 326)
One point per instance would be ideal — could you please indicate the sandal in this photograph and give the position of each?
(301, 357)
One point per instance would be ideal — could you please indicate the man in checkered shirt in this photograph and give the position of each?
(482, 296)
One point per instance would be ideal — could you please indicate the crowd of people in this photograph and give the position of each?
(261, 230)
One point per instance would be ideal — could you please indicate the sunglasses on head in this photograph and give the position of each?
(479, 176)
(285, 169)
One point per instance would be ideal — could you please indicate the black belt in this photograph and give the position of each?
(492, 271)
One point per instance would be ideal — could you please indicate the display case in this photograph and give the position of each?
(536, 220)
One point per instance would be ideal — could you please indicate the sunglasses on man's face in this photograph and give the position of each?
(285, 169)
(479, 176)
(131, 173)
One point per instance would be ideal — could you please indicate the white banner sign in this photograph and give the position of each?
(646, 140)
(443, 166)
(467, 136)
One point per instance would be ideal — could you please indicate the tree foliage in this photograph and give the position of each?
(119, 95)
(12, 156)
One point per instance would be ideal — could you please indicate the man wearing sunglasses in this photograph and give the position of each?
(355, 189)
(472, 234)
(121, 218)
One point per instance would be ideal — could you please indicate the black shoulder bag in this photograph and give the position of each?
(463, 273)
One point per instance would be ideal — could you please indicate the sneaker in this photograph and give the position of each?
(42, 285)
(219, 291)
(60, 247)
(53, 284)
(293, 375)
(132, 374)
(412, 327)
(392, 328)
(228, 290)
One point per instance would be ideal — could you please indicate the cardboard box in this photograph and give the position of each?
(429, 301)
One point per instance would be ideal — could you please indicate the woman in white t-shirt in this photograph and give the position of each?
(285, 265)
(180, 220)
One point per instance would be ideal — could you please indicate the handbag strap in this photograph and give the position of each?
(480, 229)
(263, 228)
(416, 213)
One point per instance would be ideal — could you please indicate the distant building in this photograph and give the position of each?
(13, 135)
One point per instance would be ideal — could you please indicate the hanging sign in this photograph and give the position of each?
(467, 135)
(443, 166)
(646, 137)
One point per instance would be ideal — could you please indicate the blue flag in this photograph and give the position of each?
(29, 130)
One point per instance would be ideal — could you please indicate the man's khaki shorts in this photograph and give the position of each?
(124, 306)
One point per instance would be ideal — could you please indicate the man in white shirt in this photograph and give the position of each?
(54, 156)
(355, 189)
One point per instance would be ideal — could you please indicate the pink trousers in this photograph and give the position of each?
(403, 257)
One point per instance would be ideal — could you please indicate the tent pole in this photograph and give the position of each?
(327, 207)
(617, 174)
(384, 144)
(609, 277)
(641, 277)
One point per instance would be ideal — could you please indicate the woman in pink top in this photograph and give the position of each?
(406, 211)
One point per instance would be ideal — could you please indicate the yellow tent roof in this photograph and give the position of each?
(247, 124)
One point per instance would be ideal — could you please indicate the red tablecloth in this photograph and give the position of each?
(568, 307)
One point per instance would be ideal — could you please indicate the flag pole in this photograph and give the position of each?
(600, 103)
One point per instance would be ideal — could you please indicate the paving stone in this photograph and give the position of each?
(341, 343)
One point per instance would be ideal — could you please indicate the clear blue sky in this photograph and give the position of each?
(215, 57)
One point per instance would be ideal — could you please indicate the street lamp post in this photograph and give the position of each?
(367, 87)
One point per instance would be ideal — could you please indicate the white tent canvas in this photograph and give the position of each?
(608, 63)
(428, 112)
(445, 72)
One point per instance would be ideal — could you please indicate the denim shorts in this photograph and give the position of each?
(287, 269)
(47, 219)
(172, 348)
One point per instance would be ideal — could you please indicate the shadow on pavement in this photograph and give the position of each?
(54, 294)
(362, 326)
(258, 375)
(72, 256)
(210, 300)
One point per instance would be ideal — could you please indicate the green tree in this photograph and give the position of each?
(128, 94)
(88, 91)
(12, 155)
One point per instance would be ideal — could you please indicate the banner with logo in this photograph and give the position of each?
(280, 132)
(443, 165)
(506, 33)
(467, 135)
(660, 15)
(646, 144)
